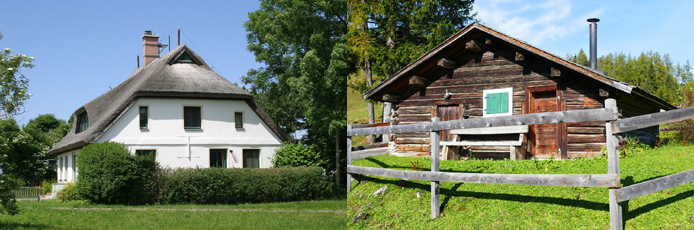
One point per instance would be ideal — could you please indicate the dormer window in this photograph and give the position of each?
(82, 122)
(184, 58)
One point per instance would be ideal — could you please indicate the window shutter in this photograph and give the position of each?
(497, 103)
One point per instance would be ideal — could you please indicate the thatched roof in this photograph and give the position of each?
(159, 79)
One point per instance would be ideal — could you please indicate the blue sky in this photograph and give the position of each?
(83, 47)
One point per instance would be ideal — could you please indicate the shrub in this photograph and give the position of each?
(110, 175)
(297, 155)
(69, 193)
(47, 186)
(239, 185)
(8, 204)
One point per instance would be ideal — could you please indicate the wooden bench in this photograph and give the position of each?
(27, 192)
(466, 138)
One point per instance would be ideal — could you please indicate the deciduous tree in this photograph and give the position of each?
(13, 84)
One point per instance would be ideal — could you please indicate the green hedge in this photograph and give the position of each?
(109, 174)
(235, 186)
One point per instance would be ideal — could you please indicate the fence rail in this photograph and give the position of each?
(617, 196)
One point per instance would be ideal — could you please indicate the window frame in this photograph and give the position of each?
(139, 115)
(243, 157)
(243, 120)
(492, 91)
(225, 160)
(184, 117)
(82, 120)
(156, 156)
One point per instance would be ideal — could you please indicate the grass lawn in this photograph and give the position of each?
(357, 113)
(491, 206)
(329, 214)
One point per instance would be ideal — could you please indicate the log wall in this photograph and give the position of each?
(497, 68)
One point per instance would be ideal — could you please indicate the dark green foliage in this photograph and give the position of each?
(110, 175)
(25, 153)
(238, 185)
(306, 62)
(296, 155)
(47, 128)
(8, 204)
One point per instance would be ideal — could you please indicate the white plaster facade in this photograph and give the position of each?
(178, 147)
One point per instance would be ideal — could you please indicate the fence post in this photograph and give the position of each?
(435, 139)
(613, 168)
(349, 158)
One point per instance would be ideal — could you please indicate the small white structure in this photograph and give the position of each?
(177, 108)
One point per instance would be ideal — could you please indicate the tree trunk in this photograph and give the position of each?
(367, 70)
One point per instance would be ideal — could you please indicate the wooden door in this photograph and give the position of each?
(543, 140)
(448, 113)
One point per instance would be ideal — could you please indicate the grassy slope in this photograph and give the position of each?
(38, 216)
(489, 206)
(357, 113)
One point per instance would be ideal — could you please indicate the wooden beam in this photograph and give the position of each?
(482, 143)
(446, 63)
(474, 46)
(349, 159)
(580, 180)
(524, 119)
(418, 81)
(653, 119)
(492, 130)
(489, 44)
(370, 125)
(379, 145)
(435, 201)
(554, 72)
(616, 212)
(655, 185)
(391, 98)
(520, 57)
(604, 93)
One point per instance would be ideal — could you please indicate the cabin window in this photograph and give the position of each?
(184, 58)
(146, 152)
(144, 117)
(251, 158)
(82, 122)
(498, 102)
(192, 117)
(238, 119)
(218, 158)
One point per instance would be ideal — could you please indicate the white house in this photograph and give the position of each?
(177, 108)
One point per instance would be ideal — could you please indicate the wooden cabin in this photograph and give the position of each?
(480, 72)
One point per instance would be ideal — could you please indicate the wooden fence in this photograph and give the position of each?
(27, 192)
(618, 196)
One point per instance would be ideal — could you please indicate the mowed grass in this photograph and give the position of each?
(491, 206)
(327, 214)
(357, 113)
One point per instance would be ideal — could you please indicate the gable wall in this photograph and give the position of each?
(493, 69)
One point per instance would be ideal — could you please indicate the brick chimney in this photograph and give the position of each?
(150, 47)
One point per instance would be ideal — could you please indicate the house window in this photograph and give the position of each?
(184, 58)
(144, 117)
(238, 118)
(251, 158)
(497, 102)
(146, 152)
(82, 122)
(192, 117)
(218, 158)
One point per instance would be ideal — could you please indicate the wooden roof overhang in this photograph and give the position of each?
(456, 45)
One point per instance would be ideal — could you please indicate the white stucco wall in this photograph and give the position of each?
(67, 167)
(178, 147)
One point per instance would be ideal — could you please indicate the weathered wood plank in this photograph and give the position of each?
(655, 185)
(446, 63)
(525, 119)
(613, 168)
(418, 81)
(585, 130)
(585, 138)
(581, 180)
(481, 143)
(473, 46)
(648, 120)
(379, 145)
(391, 98)
(554, 72)
(359, 126)
(492, 130)
(349, 159)
(435, 199)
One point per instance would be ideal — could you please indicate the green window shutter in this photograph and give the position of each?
(497, 103)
